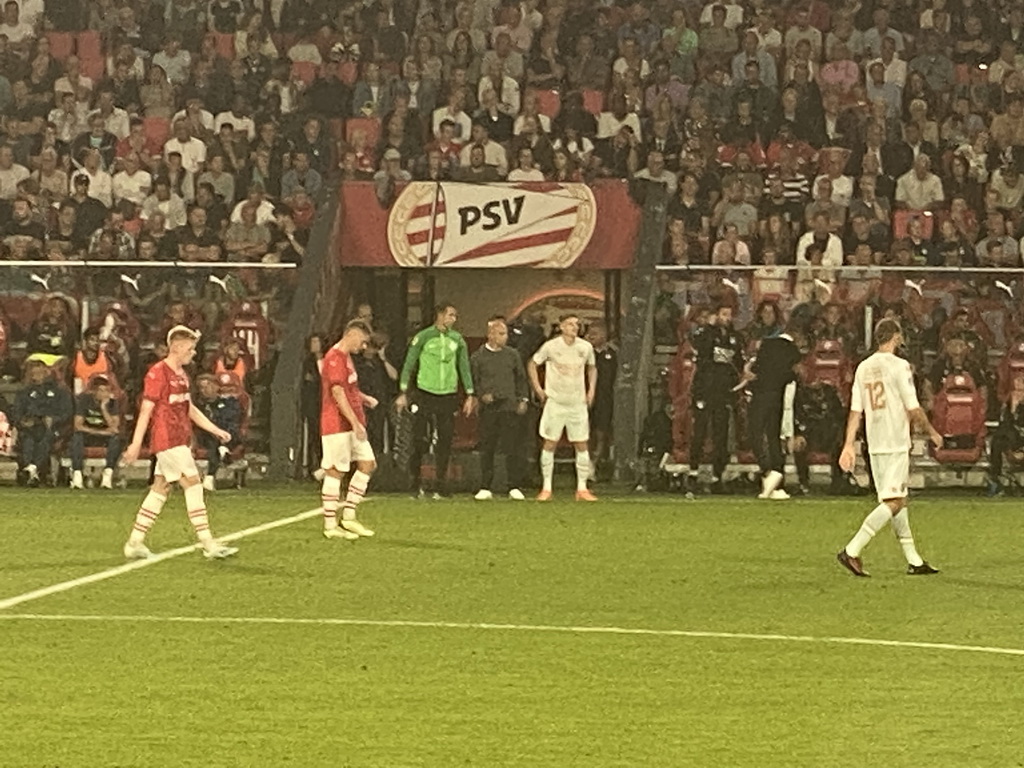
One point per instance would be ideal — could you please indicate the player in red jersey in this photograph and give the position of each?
(343, 434)
(168, 414)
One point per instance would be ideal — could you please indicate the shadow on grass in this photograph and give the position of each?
(427, 545)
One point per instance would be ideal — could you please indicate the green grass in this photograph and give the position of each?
(108, 694)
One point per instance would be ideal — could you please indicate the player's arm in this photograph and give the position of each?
(534, 374)
(412, 359)
(919, 421)
(918, 418)
(131, 453)
(202, 421)
(340, 399)
(848, 457)
(591, 384)
(466, 375)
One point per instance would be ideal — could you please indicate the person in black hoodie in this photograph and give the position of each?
(719, 357)
(42, 408)
(772, 371)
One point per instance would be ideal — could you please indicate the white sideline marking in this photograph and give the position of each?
(135, 565)
(518, 628)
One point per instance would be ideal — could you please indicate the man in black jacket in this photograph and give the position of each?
(773, 370)
(818, 416)
(719, 357)
(41, 411)
(500, 382)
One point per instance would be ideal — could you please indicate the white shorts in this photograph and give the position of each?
(891, 472)
(176, 463)
(342, 448)
(574, 420)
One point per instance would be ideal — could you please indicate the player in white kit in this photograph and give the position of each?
(570, 382)
(883, 392)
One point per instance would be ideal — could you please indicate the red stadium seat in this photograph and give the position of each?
(901, 220)
(90, 44)
(225, 45)
(830, 363)
(369, 124)
(593, 102)
(92, 66)
(62, 44)
(248, 324)
(1010, 368)
(157, 130)
(549, 103)
(680, 386)
(958, 414)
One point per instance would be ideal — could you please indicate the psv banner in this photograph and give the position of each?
(451, 224)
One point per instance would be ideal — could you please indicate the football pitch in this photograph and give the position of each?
(638, 631)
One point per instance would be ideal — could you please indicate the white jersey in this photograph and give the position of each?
(883, 390)
(565, 368)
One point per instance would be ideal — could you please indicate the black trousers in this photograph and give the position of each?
(824, 440)
(713, 414)
(765, 420)
(433, 411)
(500, 433)
(35, 444)
(1002, 441)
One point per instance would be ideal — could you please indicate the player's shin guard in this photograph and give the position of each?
(330, 496)
(356, 491)
(547, 468)
(196, 506)
(901, 527)
(582, 469)
(150, 510)
(872, 524)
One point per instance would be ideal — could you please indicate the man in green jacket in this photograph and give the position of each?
(440, 358)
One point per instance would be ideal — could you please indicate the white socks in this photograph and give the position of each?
(330, 499)
(901, 527)
(582, 469)
(872, 524)
(356, 492)
(547, 468)
(196, 506)
(150, 510)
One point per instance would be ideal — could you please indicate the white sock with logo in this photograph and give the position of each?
(547, 468)
(901, 527)
(582, 469)
(872, 524)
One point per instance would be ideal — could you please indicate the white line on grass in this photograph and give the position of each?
(136, 565)
(257, 620)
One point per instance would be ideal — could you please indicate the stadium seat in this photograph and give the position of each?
(901, 220)
(248, 324)
(680, 385)
(225, 45)
(62, 44)
(369, 124)
(593, 102)
(92, 66)
(549, 103)
(157, 130)
(1010, 367)
(958, 414)
(90, 44)
(830, 363)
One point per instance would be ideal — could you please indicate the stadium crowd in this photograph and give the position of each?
(801, 134)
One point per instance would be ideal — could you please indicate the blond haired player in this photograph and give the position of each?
(168, 413)
(570, 382)
(884, 394)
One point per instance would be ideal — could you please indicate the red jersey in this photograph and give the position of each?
(170, 425)
(339, 370)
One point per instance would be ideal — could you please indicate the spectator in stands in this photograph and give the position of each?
(1008, 437)
(23, 230)
(219, 400)
(955, 360)
(97, 423)
(247, 240)
(41, 410)
(163, 201)
(820, 235)
(525, 169)
(818, 418)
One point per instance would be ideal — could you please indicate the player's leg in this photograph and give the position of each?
(76, 449)
(152, 506)
(1000, 445)
(770, 415)
(366, 464)
(552, 424)
(719, 437)
(916, 565)
(890, 500)
(336, 451)
(577, 429)
(701, 417)
(801, 450)
(179, 465)
(445, 415)
(420, 440)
